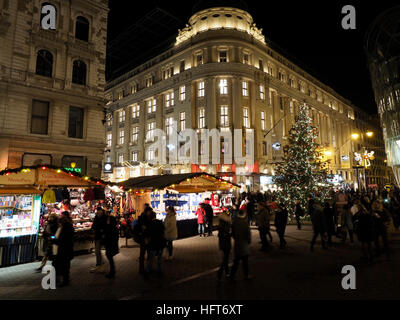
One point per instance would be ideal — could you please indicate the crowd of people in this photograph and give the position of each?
(345, 214)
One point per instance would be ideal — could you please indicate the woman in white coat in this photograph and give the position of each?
(171, 230)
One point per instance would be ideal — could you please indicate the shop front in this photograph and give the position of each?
(182, 191)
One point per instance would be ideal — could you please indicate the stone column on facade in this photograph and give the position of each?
(255, 122)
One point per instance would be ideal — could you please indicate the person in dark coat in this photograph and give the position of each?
(49, 231)
(224, 241)
(98, 228)
(364, 224)
(299, 212)
(64, 240)
(209, 216)
(281, 218)
(156, 243)
(381, 220)
(318, 222)
(140, 235)
(111, 237)
(329, 215)
(347, 223)
(242, 236)
(262, 221)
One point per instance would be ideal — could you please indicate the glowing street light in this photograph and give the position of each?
(355, 136)
(369, 134)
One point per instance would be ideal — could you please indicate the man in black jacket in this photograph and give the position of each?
(156, 243)
(209, 215)
(98, 228)
(140, 234)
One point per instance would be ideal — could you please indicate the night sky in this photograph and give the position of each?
(308, 30)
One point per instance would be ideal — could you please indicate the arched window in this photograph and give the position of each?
(82, 29)
(79, 72)
(44, 63)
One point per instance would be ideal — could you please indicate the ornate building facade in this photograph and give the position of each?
(221, 73)
(52, 84)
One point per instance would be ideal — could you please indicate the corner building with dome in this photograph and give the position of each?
(222, 73)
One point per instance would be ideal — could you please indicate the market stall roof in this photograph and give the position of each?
(183, 183)
(44, 176)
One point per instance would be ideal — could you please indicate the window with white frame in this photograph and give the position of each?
(202, 118)
(135, 111)
(182, 93)
(224, 119)
(135, 134)
(121, 116)
(223, 86)
(201, 89)
(121, 137)
(262, 120)
(151, 105)
(135, 156)
(151, 126)
(109, 140)
(182, 120)
(169, 125)
(245, 88)
(150, 154)
(262, 92)
(223, 56)
(169, 99)
(120, 158)
(246, 122)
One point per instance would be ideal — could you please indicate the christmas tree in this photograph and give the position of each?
(302, 173)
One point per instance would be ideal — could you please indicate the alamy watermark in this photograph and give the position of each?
(49, 15)
(349, 20)
(49, 280)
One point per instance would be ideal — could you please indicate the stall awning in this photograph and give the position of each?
(183, 183)
(21, 190)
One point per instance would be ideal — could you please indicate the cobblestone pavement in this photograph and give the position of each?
(292, 273)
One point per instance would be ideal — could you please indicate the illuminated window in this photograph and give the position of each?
(223, 86)
(245, 88)
(262, 92)
(182, 93)
(109, 140)
(120, 158)
(169, 125)
(151, 105)
(134, 156)
(169, 99)
(135, 134)
(246, 122)
(150, 154)
(121, 137)
(182, 120)
(135, 111)
(224, 120)
(121, 116)
(201, 89)
(150, 131)
(202, 118)
(262, 120)
(222, 56)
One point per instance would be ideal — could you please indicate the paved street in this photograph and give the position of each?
(293, 273)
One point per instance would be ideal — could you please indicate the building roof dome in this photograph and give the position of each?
(206, 4)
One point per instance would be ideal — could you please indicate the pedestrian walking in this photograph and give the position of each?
(111, 238)
(224, 242)
(64, 240)
(262, 221)
(171, 230)
(347, 223)
(156, 244)
(318, 222)
(98, 228)
(140, 235)
(201, 220)
(281, 218)
(242, 237)
(209, 216)
(381, 220)
(299, 212)
(49, 231)
(364, 226)
(329, 216)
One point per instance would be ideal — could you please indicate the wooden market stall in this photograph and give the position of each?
(22, 191)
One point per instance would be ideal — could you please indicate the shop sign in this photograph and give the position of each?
(20, 178)
(52, 178)
(276, 146)
(108, 167)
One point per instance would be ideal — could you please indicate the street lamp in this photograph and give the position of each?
(355, 136)
(369, 134)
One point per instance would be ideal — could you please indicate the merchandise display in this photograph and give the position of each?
(19, 215)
